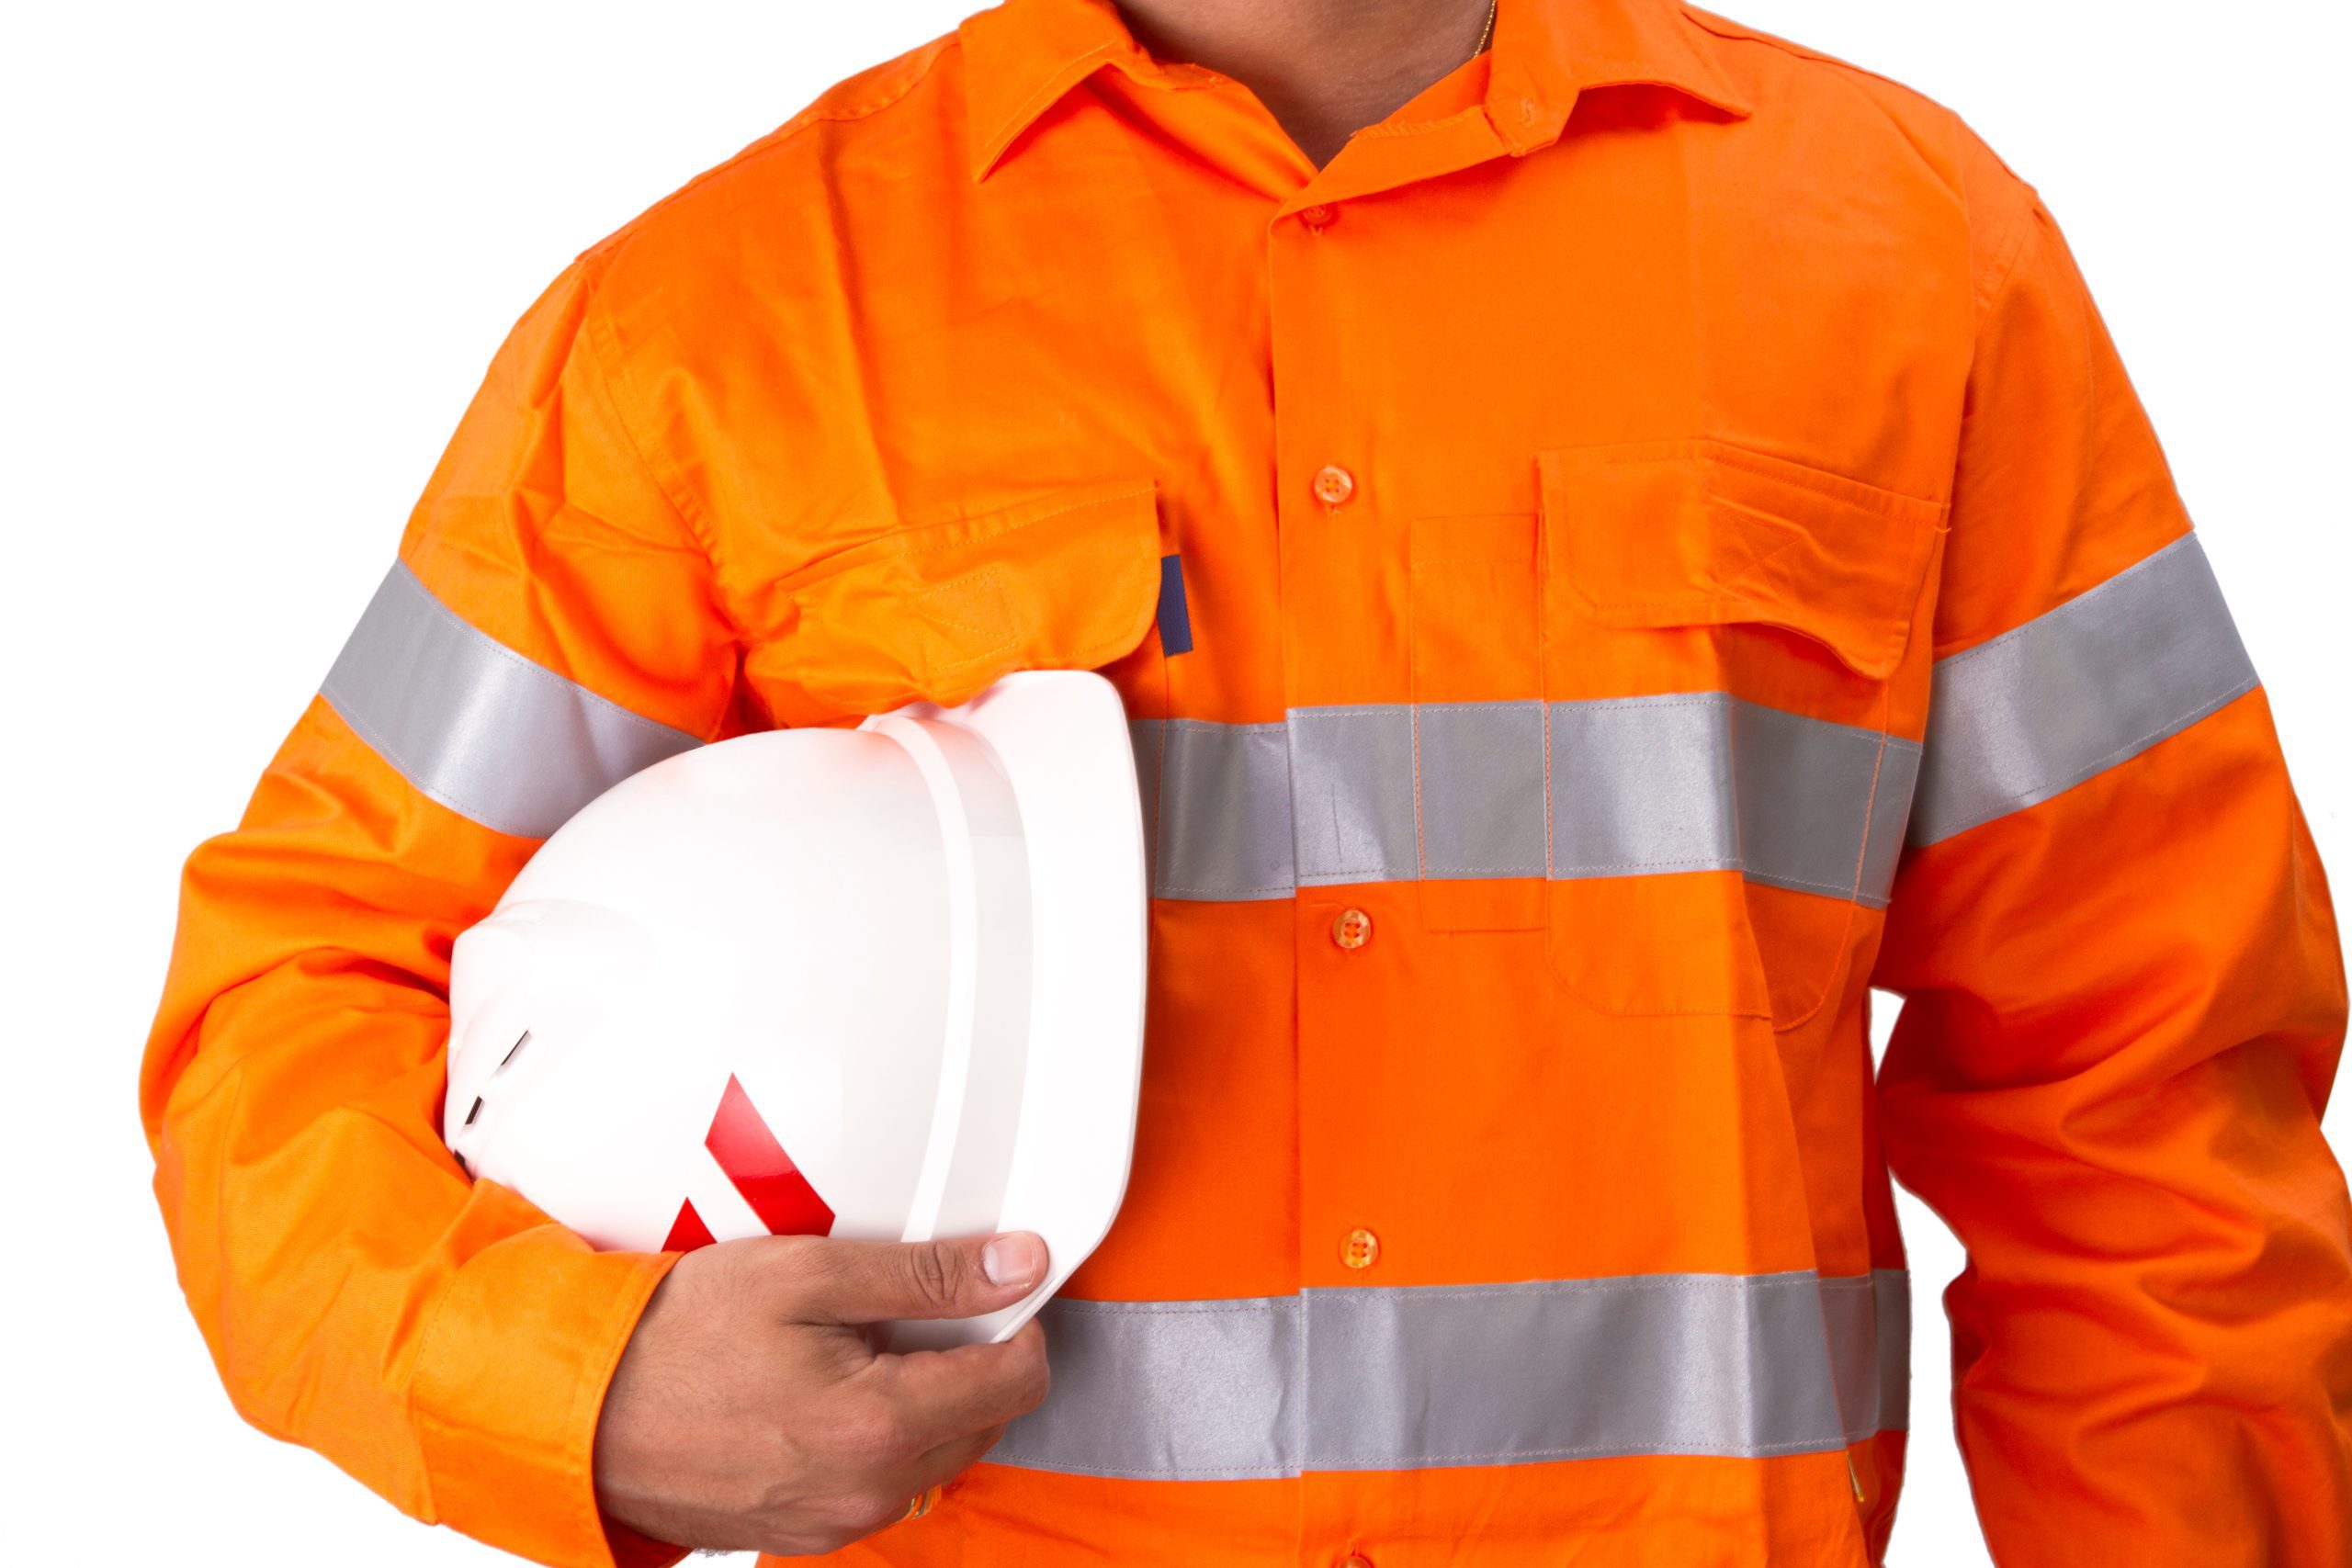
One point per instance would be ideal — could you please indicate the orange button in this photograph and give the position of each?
(1355, 1559)
(1320, 217)
(1333, 485)
(1361, 1249)
(1352, 929)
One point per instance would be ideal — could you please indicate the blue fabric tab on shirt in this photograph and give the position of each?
(1175, 620)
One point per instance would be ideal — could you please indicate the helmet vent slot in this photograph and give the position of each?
(474, 1112)
(513, 1051)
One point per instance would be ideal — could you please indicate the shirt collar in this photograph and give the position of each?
(1024, 56)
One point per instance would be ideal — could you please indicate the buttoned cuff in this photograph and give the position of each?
(509, 1380)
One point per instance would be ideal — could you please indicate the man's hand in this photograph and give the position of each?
(750, 1413)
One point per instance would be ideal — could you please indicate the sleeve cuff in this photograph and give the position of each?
(510, 1378)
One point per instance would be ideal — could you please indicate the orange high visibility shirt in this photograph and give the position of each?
(1648, 544)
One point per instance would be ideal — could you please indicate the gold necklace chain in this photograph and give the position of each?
(1487, 33)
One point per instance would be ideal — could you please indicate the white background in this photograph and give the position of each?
(256, 258)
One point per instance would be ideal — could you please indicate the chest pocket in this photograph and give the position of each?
(1066, 581)
(1721, 627)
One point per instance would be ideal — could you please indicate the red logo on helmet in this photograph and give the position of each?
(740, 1141)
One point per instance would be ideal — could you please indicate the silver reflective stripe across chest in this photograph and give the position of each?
(1690, 781)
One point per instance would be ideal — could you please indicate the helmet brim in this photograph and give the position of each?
(1062, 739)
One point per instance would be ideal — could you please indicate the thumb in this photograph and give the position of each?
(872, 1282)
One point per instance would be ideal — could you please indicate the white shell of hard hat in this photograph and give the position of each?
(771, 909)
(918, 946)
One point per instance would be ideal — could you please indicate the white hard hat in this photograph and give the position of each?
(884, 983)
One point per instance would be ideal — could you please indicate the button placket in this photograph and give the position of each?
(1334, 553)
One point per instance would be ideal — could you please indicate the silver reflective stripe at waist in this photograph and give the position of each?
(1428, 1376)
(474, 725)
(1696, 781)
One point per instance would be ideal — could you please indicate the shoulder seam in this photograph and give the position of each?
(1733, 32)
(815, 115)
(930, 55)
(1913, 124)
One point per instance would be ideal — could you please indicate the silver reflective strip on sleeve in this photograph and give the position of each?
(477, 726)
(2076, 690)
(1699, 781)
(1869, 1319)
(1426, 1377)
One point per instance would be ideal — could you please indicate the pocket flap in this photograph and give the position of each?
(1067, 580)
(1697, 533)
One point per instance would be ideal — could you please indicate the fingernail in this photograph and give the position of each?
(1014, 1260)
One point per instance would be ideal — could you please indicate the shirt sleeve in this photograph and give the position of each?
(550, 626)
(2123, 995)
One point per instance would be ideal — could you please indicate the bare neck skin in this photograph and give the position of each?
(1325, 69)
